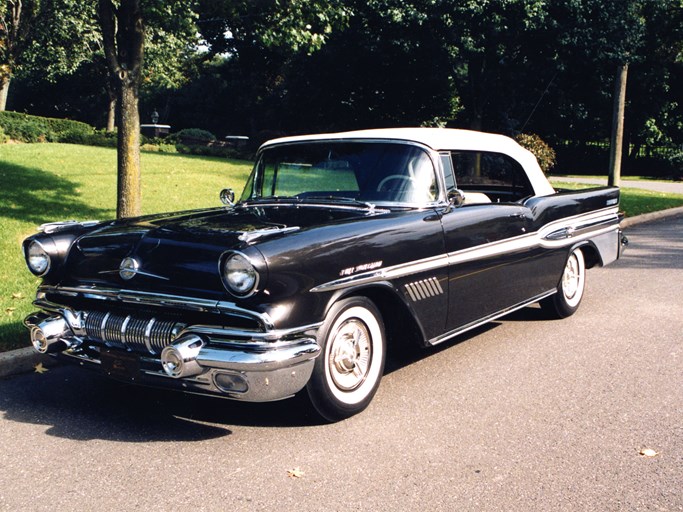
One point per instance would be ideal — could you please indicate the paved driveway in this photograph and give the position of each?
(525, 414)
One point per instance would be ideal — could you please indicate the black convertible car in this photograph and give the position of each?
(340, 246)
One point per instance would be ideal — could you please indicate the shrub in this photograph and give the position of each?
(159, 148)
(3, 136)
(218, 151)
(675, 163)
(543, 152)
(28, 128)
(193, 136)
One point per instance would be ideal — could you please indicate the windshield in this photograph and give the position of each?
(374, 172)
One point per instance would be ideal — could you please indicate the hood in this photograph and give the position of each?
(179, 253)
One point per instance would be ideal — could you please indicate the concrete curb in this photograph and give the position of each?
(651, 217)
(24, 360)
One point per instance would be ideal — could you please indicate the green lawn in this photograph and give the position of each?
(635, 201)
(50, 182)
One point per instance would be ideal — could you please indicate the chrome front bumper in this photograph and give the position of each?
(232, 363)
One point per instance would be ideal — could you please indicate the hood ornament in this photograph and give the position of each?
(128, 268)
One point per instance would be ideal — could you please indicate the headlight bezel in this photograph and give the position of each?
(248, 268)
(32, 269)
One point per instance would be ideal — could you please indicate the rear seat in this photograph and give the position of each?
(475, 198)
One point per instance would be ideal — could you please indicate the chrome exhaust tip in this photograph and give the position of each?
(180, 359)
(50, 335)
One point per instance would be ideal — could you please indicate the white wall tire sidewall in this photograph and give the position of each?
(574, 301)
(359, 394)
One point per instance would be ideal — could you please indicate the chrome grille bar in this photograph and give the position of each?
(142, 334)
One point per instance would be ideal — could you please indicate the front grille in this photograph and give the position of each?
(127, 331)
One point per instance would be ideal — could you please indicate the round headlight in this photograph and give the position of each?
(239, 275)
(38, 259)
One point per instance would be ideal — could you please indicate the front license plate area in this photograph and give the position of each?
(122, 365)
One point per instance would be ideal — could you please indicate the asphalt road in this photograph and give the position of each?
(526, 414)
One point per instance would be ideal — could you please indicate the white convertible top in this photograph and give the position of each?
(444, 139)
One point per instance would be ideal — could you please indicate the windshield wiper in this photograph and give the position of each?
(331, 198)
(271, 199)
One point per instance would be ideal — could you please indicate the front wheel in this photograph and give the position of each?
(347, 373)
(570, 290)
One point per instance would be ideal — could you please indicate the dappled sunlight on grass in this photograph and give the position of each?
(50, 182)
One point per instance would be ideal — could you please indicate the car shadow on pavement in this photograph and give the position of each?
(82, 405)
(405, 354)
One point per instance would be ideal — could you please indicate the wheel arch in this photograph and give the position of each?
(591, 254)
(401, 325)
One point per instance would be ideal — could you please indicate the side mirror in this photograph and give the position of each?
(455, 197)
(227, 196)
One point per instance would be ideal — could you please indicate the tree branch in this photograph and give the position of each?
(108, 25)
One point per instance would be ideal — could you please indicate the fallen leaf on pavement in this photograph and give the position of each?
(295, 473)
(648, 452)
(39, 368)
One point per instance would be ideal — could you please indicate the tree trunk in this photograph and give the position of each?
(128, 121)
(4, 89)
(617, 143)
(123, 37)
(111, 116)
(111, 111)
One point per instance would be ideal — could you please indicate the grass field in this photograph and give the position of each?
(50, 182)
(635, 201)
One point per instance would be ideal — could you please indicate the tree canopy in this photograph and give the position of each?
(265, 67)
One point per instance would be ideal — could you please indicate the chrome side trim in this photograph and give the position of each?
(424, 289)
(576, 225)
(401, 270)
(494, 316)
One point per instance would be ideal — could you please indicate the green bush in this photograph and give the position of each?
(675, 164)
(28, 128)
(192, 135)
(3, 136)
(541, 150)
(219, 151)
(158, 148)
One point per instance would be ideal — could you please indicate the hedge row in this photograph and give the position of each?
(27, 128)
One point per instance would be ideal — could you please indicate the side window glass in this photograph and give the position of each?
(498, 176)
(448, 175)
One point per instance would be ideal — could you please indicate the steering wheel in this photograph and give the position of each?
(394, 177)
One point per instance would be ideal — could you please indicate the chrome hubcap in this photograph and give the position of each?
(571, 278)
(350, 355)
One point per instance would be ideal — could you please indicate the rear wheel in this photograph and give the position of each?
(347, 373)
(570, 290)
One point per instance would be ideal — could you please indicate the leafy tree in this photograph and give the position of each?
(15, 24)
(50, 36)
(124, 32)
(492, 45)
